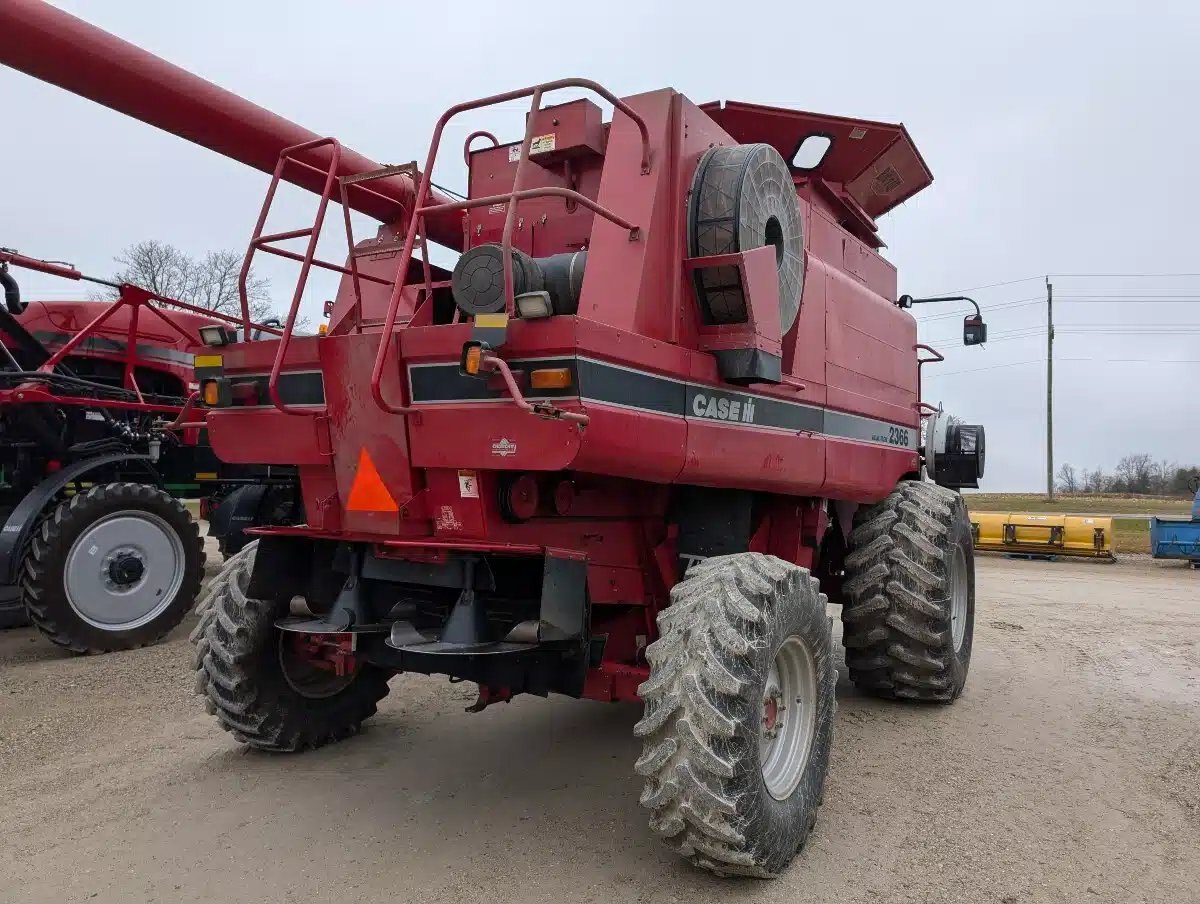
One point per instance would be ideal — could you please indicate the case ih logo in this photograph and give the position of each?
(723, 409)
(504, 447)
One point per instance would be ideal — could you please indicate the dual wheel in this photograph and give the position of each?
(740, 699)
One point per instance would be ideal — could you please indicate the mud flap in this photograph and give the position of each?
(237, 511)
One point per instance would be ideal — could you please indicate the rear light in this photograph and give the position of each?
(472, 357)
(550, 378)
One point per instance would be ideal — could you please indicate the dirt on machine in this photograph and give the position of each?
(665, 408)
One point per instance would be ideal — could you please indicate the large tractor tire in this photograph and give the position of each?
(739, 714)
(258, 688)
(909, 589)
(113, 568)
(250, 506)
(12, 608)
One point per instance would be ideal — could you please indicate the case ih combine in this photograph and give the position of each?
(99, 439)
(665, 406)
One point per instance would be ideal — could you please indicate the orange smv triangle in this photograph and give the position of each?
(367, 493)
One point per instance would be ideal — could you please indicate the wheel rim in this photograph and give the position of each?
(789, 718)
(958, 597)
(124, 571)
(306, 679)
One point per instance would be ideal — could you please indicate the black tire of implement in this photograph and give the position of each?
(239, 673)
(702, 725)
(896, 615)
(13, 614)
(42, 573)
(233, 542)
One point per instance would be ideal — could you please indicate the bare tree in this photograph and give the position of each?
(1133, 473)
(1095, 481)
(1067, 481)
(209, 282)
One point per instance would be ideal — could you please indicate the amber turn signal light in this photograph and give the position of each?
(211, 393)
(472, 357)
(550, 378)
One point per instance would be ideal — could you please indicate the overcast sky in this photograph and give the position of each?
(1062, 136)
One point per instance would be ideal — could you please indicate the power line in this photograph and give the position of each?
(1052, 276)
(1018, 303)
(975, 370)
(1010, 282)
(1026, 332)
(1122, 275)
(1137, 360)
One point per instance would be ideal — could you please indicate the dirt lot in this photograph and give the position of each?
(1069, 771)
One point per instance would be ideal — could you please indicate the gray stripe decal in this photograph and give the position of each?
(630, 388)
(296, 387)
(439, 383)
(113, 346)
(627, 387)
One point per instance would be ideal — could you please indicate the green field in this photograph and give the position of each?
(1079, 504)
(1130, 534)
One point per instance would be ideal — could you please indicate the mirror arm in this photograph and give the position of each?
(907, 301)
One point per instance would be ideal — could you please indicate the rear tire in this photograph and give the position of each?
(277, 506)
(722, 792)
(911, 557)
(111, 569)
(240, 672)
(12, 609)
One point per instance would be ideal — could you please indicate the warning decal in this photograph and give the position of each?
(541, 144)
(368, 492)
(468, 484)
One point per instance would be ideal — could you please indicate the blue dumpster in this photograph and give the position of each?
(1177, 539)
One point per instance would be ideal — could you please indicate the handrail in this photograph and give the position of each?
(263, 242)
(480, 133)
(491, 362)
(512, 198)
(921, 406)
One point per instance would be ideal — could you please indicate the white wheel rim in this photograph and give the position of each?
(958, 597)
(789, 718)
(105, 596)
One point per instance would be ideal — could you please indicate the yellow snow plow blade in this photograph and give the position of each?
(1043, 535)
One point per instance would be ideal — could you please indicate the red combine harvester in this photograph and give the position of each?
(100, 438)
(665, 406)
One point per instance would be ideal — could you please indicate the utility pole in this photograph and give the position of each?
(1049, 390)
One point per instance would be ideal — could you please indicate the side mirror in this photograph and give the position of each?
(974, 330)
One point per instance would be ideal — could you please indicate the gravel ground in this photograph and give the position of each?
(1069, 771)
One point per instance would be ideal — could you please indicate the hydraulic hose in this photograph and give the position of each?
(12, 292)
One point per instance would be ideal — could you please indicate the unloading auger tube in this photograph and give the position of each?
(59, 48)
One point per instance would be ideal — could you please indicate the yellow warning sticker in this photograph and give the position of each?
(541, 144)
(498, 321)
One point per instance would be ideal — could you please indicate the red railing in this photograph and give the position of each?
(128, 295)
(308, 260)
(923, 407)
(510, 199)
